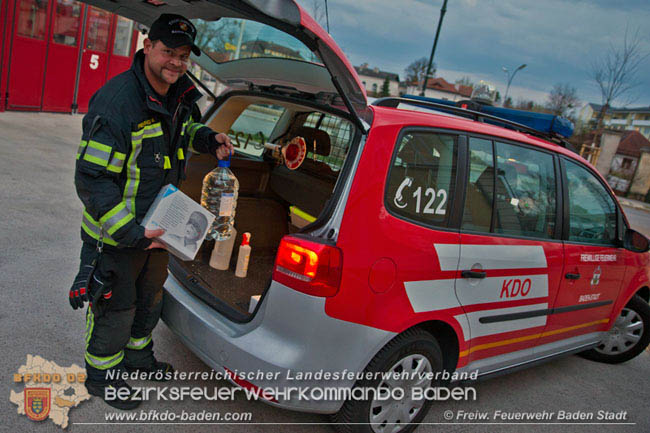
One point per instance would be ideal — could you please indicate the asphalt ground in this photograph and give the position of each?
(39, 238)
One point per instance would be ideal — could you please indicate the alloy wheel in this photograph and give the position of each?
(392, 415)
(624, 334)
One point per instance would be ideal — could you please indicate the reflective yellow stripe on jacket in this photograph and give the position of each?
(102, 155)
(191, 129)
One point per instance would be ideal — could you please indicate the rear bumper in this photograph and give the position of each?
(289, 334)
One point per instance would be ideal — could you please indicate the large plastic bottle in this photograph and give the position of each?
(219, 196)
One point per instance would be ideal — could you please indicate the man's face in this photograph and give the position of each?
(191, 232)
(165, 64)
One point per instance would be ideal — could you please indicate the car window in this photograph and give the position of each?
(340, 135)
(592, 211)
(421, 179)
(253, 126)
(230, 39)
(525, 192)
(477, 214)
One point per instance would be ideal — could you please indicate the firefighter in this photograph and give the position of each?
(137, 135)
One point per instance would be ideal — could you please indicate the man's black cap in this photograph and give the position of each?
(174, 31)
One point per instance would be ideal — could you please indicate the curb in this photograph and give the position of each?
(634, 204)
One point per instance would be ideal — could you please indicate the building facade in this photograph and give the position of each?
(373, 80)
(625, 162)
(57, 53)
(441, 89)
(620, 119)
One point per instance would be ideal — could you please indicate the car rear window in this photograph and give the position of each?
(230, 39)
(421, 179)
(253, 127)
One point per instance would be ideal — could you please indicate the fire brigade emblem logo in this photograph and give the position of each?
(37, 403)
(183, 26)
(595, 279)
(49, 391)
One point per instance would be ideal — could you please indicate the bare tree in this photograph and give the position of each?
(465, 81)
(417, 69)
(524, 104)
(214, 35)
(529, 105)
(615, 72)
(562, 99)
(318, 12)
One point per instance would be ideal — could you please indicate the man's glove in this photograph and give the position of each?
(99, 290)
(88, 286)
(79, 290)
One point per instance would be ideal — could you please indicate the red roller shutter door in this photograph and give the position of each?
(63, 53)
(28, 54)
(94, 57)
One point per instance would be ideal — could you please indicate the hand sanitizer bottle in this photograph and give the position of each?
(244, 256)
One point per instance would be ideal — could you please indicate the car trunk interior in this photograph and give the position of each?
(267, 190)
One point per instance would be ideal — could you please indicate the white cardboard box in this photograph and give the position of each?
(253, 303)
(185, 222)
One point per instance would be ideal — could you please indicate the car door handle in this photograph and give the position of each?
(473, 274)
(571, 276)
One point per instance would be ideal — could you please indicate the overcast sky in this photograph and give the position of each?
(556, 39)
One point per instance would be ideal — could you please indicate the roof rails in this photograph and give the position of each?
(393, 102)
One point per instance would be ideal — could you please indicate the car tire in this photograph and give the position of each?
(628, 336)
(413, 347)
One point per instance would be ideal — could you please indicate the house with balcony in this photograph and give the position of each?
(619, 119)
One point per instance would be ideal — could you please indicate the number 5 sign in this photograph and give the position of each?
(94, 61)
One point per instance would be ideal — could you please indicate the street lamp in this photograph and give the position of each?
(510, 77)
(443, 10)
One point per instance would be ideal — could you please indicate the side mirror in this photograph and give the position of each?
(635, 241)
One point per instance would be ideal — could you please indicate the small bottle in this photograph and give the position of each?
(222, 251)
(219, 196)
(244, 256)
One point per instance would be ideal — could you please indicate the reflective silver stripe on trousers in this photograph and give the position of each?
(99, 362)
(138, 343)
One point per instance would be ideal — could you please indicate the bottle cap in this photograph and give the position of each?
(225, 162)
(246, 238)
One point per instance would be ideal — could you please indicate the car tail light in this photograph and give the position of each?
(309, 267)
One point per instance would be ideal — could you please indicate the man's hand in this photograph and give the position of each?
(151, 234)
(226, 148)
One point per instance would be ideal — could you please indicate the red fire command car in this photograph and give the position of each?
(413, 238)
